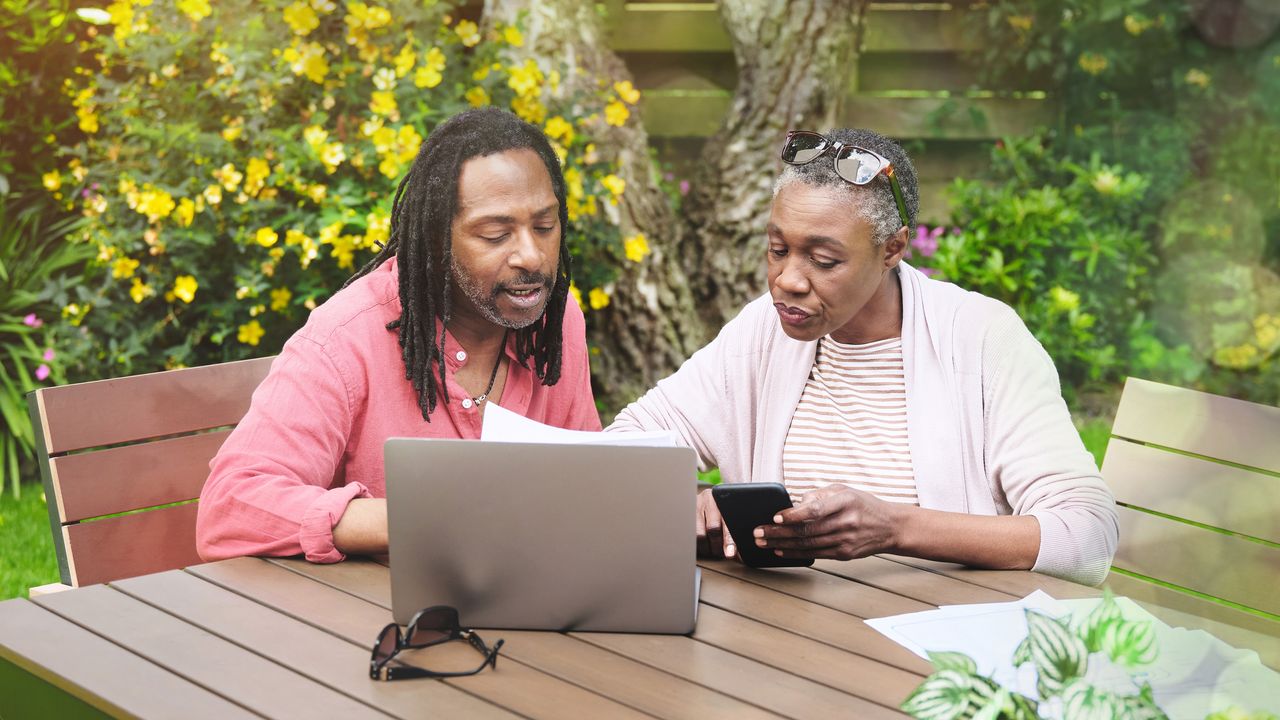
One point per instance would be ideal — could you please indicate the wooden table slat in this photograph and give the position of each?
(512, 685)
(205, 659)
(862, 601)
(322, 657)
(910, 582)
(98, 671)
(807, 619)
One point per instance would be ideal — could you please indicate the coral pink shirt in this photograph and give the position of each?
(312, 439)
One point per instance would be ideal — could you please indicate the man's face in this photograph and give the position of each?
(822, 265)
(506, 238)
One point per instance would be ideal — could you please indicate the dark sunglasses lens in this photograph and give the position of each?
(387, 641)
(433, 625)
(857, 167)
(803, 147)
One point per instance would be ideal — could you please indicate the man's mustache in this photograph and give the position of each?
(525, 279)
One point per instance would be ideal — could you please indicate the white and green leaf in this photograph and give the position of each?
(1130, 643)
(953, 661)
(944, 695)
(1057, 653)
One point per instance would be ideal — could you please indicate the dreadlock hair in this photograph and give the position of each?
(426, 202)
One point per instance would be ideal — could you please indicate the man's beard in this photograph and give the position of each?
(487, 302)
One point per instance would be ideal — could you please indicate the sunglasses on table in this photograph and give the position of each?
(432, 626)
(852, 163)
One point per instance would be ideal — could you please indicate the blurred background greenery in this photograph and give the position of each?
(181, 181)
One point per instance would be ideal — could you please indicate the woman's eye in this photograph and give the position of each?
(778, 252)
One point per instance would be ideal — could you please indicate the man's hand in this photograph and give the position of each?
(713, 539)
(833, 522)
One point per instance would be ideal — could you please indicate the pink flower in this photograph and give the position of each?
(928, 271)
(926, 240)
(32, 321)
(42, 372)
(49, 355)
(684, 187)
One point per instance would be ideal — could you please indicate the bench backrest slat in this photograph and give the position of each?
(134, 445)
(1180, 460)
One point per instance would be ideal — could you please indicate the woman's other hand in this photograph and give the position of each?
(834, 522)
(713, 539)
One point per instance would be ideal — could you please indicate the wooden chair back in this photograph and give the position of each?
(123, 462)
(1197, 480)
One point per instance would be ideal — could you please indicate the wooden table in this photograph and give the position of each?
(284, 638)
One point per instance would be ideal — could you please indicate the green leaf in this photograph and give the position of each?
(1082, 701)
(953, 661)
(1058, 655)
(1130, 643)
(943, 695)
(1091, 627)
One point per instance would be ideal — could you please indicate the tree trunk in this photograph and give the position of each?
(792, 72)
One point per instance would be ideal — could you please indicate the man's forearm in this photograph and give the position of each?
(1002, 542)
(363, 528)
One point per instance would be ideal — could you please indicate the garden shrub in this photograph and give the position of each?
(241, 158)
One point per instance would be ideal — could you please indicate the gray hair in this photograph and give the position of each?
(873, 202)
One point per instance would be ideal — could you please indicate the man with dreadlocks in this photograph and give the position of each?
(466, 305)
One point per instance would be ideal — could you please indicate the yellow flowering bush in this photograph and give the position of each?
(240, 160)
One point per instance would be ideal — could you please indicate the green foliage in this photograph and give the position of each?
(28, 559)
(1060, 653)
(39, 261)
(241, 158)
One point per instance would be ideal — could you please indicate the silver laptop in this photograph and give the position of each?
(541, 536)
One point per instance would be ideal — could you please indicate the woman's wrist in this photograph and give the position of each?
(901, 525)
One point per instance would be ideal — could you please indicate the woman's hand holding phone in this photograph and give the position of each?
(713, 540)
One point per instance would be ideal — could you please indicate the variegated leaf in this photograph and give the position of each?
(953, 661)
(1082, 701)
(1091, 628)
(1058, 655)
(995, 706)
(943, 695)
(1130, 643)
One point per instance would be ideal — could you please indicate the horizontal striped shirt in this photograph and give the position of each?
(850, 426)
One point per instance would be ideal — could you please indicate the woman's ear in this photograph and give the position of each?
(894, 248)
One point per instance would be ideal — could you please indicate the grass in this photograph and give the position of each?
(26, 545)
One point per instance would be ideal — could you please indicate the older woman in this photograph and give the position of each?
(904, 415)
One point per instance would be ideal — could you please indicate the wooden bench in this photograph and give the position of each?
(123, 462)
(1197, 480)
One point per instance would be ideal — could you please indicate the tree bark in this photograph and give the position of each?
(793, 61)
(704, 267)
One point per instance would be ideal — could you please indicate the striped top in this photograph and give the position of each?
(850, 426)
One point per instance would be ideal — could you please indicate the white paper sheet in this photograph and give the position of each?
(502, 425)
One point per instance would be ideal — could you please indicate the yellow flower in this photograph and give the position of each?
(317, 193)
(1238, 357)
(636, 247)
(425, 77)
(404, 60)
(383, 102)
(614, 184)
(378, 230)
(477, 97)
(513, 37)
(154, 203)
(576, 293)
(184, 288)
(301, 18)
(332, 156)
(229, 177)
(197, 10)
(315, 137)
(1062, 300)
(280, 298)
(186, 212)
(560, 129)
(233, 130)
(123, 268)
(255, 175)
(212, 195)
(627, 92)
(468, 32)
(52, 180)
(616, 114)
(140, 291)
(385, 79)
(309, 60)
(1093, 63)
(266, 237)
(1267, 328)
(1105, 182)
(1020, 22)
(525, 79)
(1198, 78)
(250, 333)
(529, 109)
(1136, 25)
(598, 298)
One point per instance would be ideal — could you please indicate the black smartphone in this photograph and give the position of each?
(745, 507)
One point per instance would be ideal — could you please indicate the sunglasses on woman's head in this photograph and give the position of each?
(852, 163)
(432, 626)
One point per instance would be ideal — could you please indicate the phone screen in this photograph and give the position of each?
(745, 507)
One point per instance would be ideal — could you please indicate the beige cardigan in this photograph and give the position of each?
(989, 431)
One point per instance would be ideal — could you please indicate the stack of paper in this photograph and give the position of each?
(1194, 674)
(502, 425)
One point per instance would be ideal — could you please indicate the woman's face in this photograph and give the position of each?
(823, 267)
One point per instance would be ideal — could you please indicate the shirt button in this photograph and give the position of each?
(462, 356)
(466, 402)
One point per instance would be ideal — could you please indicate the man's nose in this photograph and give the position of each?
(526, 251)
